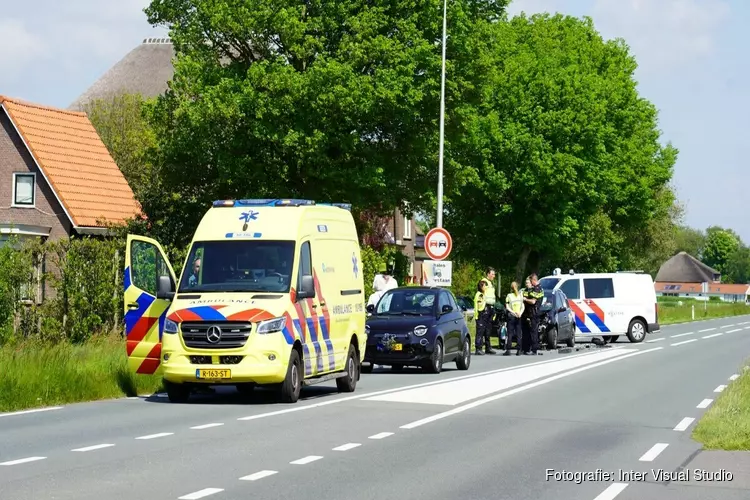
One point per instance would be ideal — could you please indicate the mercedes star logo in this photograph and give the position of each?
(213, 334)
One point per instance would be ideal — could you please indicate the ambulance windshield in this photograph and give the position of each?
(238, 266)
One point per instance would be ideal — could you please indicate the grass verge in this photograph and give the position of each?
(672, 312)
(726, 424)
(36, 374)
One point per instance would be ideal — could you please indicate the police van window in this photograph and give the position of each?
(598, 288)
(305, 263)
(548, 283)
(572, 288)
(238, 266)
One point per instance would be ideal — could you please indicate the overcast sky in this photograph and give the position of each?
(692, 56)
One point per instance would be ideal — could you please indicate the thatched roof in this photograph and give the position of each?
(145, 70)
(684, 268)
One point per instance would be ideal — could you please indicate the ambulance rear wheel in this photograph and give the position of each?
(177, 393)
(292, 384)
(637, 331)
(348, 382)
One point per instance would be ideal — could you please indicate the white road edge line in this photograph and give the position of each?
(381, 435)
(651, 454)
(684, 342)
(684, 424)
(413, 386)
(200, 494)
(23, 461)
(94, 447)
(720, 388)
(306, 460)
(705, 403)
(734, 377)
(26, 412)
(713, 335)
(612, 491)
(495, 397)
(682, 335)
(707, 330)
(347, 447)
(205, 426)
(154, 436)
(259, 475)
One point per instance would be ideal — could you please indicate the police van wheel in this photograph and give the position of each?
(292, 384)
(464, 360)
(348, 382)
(435, 364)
(637, 331)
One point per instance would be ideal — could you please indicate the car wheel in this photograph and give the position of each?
(637, 331)
(464, 361)
(177, 393)
(435, 364)
(292, 384)
(611, 339)
(552, 338)
(349, 382)
(571, 340)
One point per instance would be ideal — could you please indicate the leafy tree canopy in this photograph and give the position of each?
(721, 244)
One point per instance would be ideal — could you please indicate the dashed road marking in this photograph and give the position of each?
(612, 491)
(727, 326)
(381, 435)
(705, 403)
(682, 335)
(200, 494)
(707, 330)
(713, 335)
(259, 475)
(734, 377)
(154, 436)
(23, 461)
(655, 340)
(347, 447)
(306, 460)
(94, 447)
(26, 412)
(205, 426)
(735, 330)
(684, 342)
(720, 388)
(684, 424)
(651, 454)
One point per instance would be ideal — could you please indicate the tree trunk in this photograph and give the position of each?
(521, 265)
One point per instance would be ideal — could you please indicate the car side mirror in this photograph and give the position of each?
(370, 308)
(165, 290)
(562, 309)
(307, 290)
(447, 309)
(464, 308)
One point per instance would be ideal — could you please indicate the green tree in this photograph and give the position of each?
(334, 101)
(720, 245)
(690, 240)
(738, 266)
(563, 152)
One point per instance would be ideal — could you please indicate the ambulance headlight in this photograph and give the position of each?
(271, 325)
(170, 326)
(420, 330)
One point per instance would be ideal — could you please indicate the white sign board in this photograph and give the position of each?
(437, 272)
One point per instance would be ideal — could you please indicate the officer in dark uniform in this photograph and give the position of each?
(489, 308)
(532, 298)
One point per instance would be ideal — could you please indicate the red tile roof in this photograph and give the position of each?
(75, 162)
(716, 288)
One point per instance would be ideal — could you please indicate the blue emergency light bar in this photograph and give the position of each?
(276, 202)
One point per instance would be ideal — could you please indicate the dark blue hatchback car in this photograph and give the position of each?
(417, 326)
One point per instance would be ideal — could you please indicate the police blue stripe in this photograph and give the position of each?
(131, 317)
(599, 323)
(582, 326)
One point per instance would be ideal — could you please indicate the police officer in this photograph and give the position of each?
(489, 308)
(483, 329)
(533, 296)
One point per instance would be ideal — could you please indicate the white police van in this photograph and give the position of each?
(608, 305)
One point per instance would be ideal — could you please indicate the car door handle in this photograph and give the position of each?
(134, 306)
(322, 304)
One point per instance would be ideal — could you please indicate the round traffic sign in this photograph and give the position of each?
(438, 243)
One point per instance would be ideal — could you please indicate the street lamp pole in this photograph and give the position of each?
(442, 122)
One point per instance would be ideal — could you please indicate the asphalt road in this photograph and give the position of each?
(511, 427)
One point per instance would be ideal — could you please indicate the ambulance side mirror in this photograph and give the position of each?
(165, 290)
(307, 290)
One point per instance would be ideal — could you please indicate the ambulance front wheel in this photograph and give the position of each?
(177, 393)
(637, 331)
(292, 384)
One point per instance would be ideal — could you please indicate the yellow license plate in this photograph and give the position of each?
(397, 347)
(211, 374)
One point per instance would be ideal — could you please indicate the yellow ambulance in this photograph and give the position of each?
(271, 294)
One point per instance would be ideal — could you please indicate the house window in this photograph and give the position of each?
(407, 228)
(23, 189)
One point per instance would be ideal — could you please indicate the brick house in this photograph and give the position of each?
(405, 234)
(685, 276)
(57, 178)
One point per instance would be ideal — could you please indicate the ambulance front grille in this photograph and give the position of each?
(232, 334)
